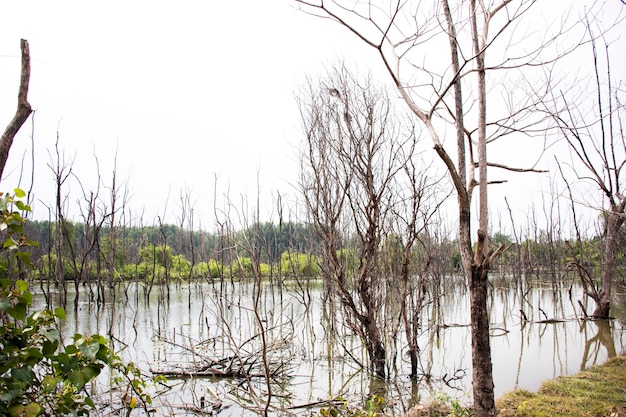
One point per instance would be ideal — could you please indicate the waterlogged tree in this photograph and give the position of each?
(595, 136)
(355, 146)
(409, 251)
(440, 56)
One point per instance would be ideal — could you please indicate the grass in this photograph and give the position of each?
(599, 391)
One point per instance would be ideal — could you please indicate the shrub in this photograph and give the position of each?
(38, 374)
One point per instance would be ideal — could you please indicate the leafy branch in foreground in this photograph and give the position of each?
(39, 374)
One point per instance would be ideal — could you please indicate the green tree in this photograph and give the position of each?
(160, 255)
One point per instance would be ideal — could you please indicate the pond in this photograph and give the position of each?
(191, 331)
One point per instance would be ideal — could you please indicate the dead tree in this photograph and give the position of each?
(354, 147)
(597, 143)
(23, 108)
(61, 170)
(85, 252)
(419, 199)
(450, 91)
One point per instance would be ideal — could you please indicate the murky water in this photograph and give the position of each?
(214, 327)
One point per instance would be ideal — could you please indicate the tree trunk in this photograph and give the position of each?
(614, 223)
(482, 373)
(377, 358)
(23, 108)
(484, 402)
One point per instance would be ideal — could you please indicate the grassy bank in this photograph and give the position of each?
(599, 391)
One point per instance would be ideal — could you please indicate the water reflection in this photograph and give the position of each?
(537, 335)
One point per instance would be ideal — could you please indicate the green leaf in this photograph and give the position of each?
(16, 410)
(24, 257)
(90, 349)
(26, 298)
(21, 206)
(71, 350)
(9, 396)
(18, 311)
(21, 285)
(51, 334)
(49, 347)
(19, 193)
(50, 383)
(82, 376)
(34, 355)
(31, 410)
(67, 363)
(23, 374)
(89, 402)
(59, 312)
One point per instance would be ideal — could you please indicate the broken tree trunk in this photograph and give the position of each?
(23, 108)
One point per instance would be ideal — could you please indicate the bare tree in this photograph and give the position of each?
(419, 200)
(597, 143)
(85, 251)
(355, 146)
(480, 37)
(62, 170)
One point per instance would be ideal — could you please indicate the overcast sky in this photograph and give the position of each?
(183, 91)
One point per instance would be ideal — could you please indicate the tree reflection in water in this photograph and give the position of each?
(539, 336)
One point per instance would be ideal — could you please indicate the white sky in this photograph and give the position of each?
(184, 91)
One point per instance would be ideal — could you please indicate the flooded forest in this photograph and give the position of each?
(385, 279)
(247, 320)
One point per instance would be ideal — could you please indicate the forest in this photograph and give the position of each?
(389, 283)
(169, 254)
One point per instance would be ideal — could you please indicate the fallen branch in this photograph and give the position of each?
(211, 372)
(316, 404)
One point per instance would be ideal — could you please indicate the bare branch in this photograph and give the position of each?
(513, 169)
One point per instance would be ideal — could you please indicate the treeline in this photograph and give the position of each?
(155, 253)
(169, 251)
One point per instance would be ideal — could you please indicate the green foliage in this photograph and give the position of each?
(501, 239)
(211, 269)
(373, 407)
(349, 259)
(215, 268)
(456, 261)
(299, 264)
(181, 267)
(12, 229)
(453, 407)
(160, 255)
(38, 374)
(242, 268)
(264, 270)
